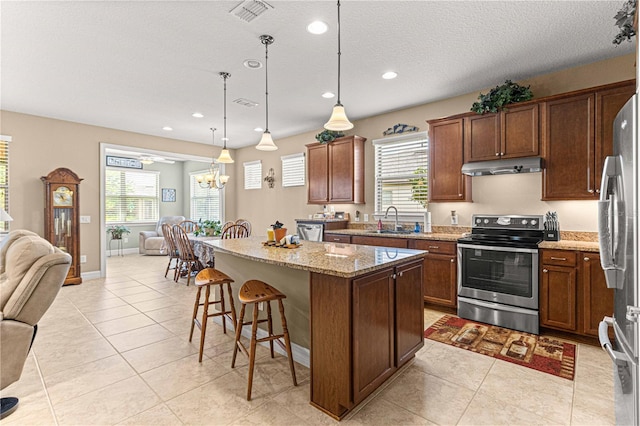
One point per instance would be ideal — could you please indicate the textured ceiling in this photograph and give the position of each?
(142, 65)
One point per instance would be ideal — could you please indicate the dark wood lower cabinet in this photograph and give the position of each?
(440, 271)
(373, 323)
(573, 292)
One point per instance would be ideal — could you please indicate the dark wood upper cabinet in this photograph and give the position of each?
(446, 181)
(336, 171)
(512, 133)
(577, 136)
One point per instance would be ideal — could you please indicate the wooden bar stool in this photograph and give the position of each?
(255, 291)
(206, 278)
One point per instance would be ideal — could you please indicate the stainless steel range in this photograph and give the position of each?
(498, 271)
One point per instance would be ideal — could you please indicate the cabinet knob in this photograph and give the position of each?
(597, 191)
(545, 270)
(590, 191)
(452, 260)
(502, 153)
(459, 195)
(586, 259)
(497, 154)
(401, 273)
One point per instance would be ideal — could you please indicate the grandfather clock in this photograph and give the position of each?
(62, 217)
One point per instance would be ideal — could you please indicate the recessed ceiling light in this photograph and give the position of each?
(197, 115)
(253, 64)
(390, 75)
(328, 95)
(258, 129)
(317, 27)
(167, 128)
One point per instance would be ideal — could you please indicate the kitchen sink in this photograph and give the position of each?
(390, 231)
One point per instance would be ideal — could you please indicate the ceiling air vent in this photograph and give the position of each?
(248, 10)
(245, 102)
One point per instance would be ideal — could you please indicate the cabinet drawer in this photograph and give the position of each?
(335, 238)
(559, 257)
(434, 247)
(379, 241)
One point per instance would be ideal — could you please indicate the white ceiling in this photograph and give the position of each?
(142, 65)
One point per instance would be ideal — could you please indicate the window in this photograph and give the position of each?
(253, 175)
(401, 168)
(293, 170)
(131, 196)
(4, 178)
(206, 203)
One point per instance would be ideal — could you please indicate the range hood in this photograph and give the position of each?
(503, 167)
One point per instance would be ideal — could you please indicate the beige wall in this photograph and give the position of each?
(491, 194)
(40, 145)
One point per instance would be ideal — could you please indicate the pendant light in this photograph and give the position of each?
(225, 157)
(266, 143)
(338, 120)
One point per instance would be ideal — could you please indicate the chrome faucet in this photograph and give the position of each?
(396, 227)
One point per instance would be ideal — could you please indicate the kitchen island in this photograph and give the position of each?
(358, 309)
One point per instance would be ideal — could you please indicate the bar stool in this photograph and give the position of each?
(206, 278)
(255, 291)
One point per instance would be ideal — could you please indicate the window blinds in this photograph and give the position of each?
(401, 172)
(293, 170)
(206, 203)
(131, 196)
(253, 174)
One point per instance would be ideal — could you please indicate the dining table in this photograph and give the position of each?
(202, 251)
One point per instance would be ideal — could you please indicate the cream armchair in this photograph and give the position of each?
(31, 274)
(152, 242)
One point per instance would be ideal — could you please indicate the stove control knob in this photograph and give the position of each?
(486, 221)
(478, 221)
(533, 222)
(524, 221)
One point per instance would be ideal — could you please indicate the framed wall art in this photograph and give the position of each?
(168, 195)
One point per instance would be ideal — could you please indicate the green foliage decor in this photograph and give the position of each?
(624, 21)
(117, 231)
(327, 136)
(208, 227)
(500, 96)
(420, 186)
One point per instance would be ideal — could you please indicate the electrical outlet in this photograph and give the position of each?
(85, 219)
(126, 240)
(261, 306)
(366, 217)
(83, 258)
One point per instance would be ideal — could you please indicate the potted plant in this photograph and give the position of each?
(279, 231)
(499, 96)
(208, 227)
(327, 136)
(625, 22)
(116, 231)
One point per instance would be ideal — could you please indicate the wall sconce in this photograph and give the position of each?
(270, 178)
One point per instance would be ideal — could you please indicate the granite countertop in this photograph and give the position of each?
(321, 220)
(443, 236)
(342, 260)
(589, 246)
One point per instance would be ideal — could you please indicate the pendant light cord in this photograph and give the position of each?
(225, 75)
(339, 53)
(266, 84)
(213, 140)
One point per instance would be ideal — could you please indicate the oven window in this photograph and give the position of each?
(497, 271)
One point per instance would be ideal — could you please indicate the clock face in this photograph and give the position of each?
(63, 197)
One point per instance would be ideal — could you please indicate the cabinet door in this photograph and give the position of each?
(318, 170)
(597, 298)
(569, 148)
(379, 241)
(440, 280)
(341, 171)
(558, 297)
(446, 181)
(519, 129)
(608, 104)
(481, 137)
(409, 311)
(373, 329)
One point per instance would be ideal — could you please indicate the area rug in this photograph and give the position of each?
(540, 353)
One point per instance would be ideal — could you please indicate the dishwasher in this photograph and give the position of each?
(311, 231)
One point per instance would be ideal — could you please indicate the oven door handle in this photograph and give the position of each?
(494, 248)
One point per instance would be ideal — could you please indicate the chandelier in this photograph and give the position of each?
(214, 179)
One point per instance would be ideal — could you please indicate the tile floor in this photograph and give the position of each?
(115, 351)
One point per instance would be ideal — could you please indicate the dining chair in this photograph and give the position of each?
(226, 225)
(188, 259)
(172, 250)
(246, 224)
(235, 231)
(189, 226)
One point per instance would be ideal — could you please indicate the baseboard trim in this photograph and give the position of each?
(301, 355)
(92, 275)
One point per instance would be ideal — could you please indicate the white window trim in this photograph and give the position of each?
(286, 158)
(403, 216)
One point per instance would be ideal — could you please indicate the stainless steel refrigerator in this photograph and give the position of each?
(618, 236)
